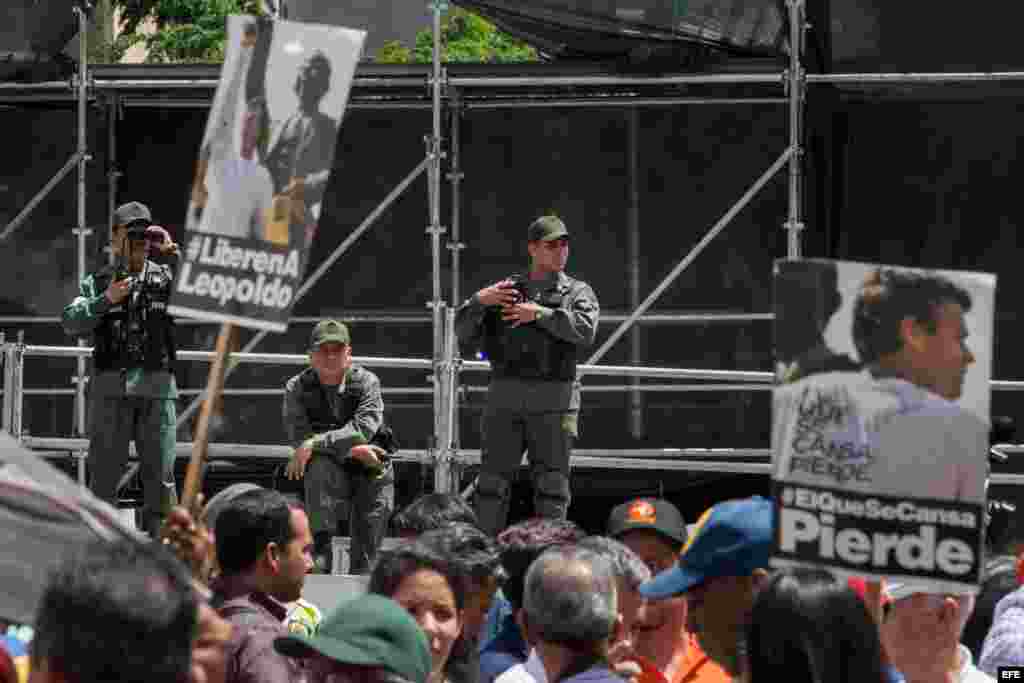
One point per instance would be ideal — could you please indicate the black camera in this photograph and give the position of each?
(519, 287)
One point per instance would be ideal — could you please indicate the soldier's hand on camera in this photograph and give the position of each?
(118, 290)
(162, 240)
(520, 314)
(158, 240)
(501, 293)
(296, 468)
(367, 455)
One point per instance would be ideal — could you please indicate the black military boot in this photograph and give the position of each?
(323, 553)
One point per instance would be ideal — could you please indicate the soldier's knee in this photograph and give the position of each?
(552, 494)
(323, 469)
(317, 476)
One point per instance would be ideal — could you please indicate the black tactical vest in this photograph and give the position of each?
(529, 351)
(313, 398)
(137, 333)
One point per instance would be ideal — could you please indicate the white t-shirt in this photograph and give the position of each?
(531, 671)
(885, 436)
(240, 195)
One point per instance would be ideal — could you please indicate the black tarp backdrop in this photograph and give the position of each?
(923, 185)
(603, 29)
(899, 175)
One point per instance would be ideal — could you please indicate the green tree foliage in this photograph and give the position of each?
(186, 30)
(465, 38)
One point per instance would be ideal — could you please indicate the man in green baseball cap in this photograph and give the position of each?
(334, 419)
(369, 639)
(531, 328)
(546, 229)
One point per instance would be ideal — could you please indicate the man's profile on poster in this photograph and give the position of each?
(896, 427)
(807, 296)
(299, 156)
(911, 325)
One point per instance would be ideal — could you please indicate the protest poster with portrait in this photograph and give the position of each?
(881, 420)
(263, 168)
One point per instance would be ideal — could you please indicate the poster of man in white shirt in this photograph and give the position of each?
(880, 461)
(239, 185)
(263, 168)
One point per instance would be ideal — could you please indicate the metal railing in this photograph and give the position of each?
(447, 454)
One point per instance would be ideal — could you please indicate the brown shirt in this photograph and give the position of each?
(251, 658)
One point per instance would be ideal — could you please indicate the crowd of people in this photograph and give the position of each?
(465, 598)
(213, 599)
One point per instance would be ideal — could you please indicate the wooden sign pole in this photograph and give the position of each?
(214, 388)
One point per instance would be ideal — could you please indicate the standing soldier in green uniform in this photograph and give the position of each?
(132, 390)
(531, 329)
(333, 415)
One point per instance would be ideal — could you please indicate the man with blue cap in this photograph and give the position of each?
(720, 569)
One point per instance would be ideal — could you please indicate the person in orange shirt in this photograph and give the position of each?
(666, 652)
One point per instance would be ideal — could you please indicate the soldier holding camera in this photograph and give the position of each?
(132, 390)
(531, 328)
(334, 418)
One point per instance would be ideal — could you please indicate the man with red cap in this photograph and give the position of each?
(667, 651)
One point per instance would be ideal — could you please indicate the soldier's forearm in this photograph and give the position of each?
(82, 315)
(340, 441)
(468, 319)
(577, 328)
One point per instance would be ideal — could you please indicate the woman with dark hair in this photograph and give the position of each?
(432, 589)
(805, 627)
(477, 557)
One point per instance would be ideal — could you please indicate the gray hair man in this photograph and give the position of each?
(629, 571)
(921, 633)
(570, 614)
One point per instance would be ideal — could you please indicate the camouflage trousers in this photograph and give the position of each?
(150, 422)
(334, 492)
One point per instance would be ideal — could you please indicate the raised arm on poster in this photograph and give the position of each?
(262, 170)
(880, 421)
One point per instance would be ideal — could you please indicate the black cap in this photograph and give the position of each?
(655, 514)
(136, 216)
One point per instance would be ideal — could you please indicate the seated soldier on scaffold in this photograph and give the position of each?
(334, 418)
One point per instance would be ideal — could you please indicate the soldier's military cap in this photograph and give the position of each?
(330, 332)
(546, 229)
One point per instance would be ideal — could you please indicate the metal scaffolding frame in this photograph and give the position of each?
(455, 93)
(665, 459)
